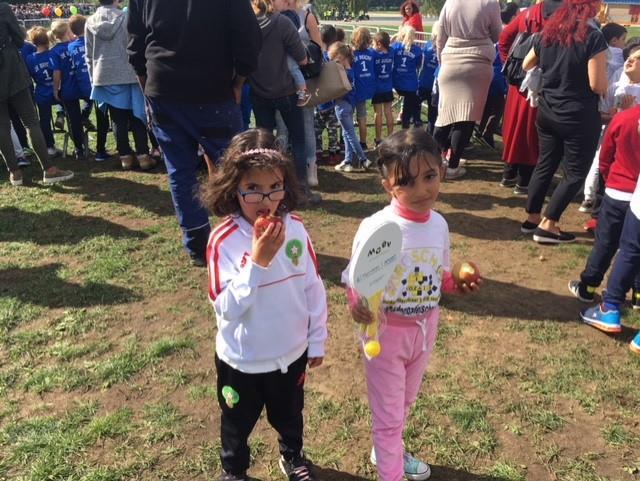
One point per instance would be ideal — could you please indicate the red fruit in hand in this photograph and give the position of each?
(465, 272)
(262, 222)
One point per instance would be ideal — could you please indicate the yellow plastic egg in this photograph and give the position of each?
(372, 348)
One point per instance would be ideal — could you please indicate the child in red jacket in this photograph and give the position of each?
(619, 167)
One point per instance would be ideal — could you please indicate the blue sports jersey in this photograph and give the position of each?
(364, 74)
(350, 96)
(79, 66)
(39, 66)
(499, 82)
(384, 71)
(61, 60)
(27, 49)
(405, 67)
(429, 65)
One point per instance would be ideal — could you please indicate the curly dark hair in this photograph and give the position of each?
(414, 8)
(397, 151)
(219, 194)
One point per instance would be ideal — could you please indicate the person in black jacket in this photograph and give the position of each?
(14, 93)
(192, 58)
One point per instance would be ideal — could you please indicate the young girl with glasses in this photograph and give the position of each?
(263, 345)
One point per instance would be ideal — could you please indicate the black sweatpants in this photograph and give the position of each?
(283, 396)
(576, 143)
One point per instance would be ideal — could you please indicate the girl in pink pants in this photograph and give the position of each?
(411, 168)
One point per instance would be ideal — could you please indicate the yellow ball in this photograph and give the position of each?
(372, 348)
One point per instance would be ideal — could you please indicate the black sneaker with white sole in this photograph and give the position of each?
(528, 227)
(582, 292)
(508, 182)
(297, 469)
(520, 190)
(542, 236)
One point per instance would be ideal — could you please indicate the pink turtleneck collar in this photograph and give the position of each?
(409, 214)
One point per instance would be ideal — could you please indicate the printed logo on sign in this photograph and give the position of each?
(377, 250)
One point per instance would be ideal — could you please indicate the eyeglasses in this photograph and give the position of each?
(257, 197)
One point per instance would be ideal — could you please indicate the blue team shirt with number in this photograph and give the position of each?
(364, 74)
(405, 67)
(350, 96)
(41, 71)
(61, 60)
(384, 70)
(27, 49)
(79, 66)
(429, 66)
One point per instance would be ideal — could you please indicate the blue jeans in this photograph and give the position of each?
(310, 134)
(352, 147)
(608, 233)
(296, 73)
(180, 128)
(265, 110)
(245, 106)
(627, 264)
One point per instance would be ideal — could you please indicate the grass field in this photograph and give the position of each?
(107, 341)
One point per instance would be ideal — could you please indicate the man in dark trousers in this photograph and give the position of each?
(192, 58)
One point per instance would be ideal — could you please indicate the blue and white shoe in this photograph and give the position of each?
(102, 156)
(414, 469)
(635, 344)
(606, 321)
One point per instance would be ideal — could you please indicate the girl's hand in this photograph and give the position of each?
(268, 244)
(627, 101)
(469, 288)
(361, 313)
(315, 361)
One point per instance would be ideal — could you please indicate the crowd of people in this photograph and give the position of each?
(36, 11)
(569, 89)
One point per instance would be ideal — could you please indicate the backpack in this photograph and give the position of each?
(522, 45)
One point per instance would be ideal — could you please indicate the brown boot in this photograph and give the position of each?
(146, 162)
(127, 161)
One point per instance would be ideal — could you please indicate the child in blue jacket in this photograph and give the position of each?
(364, 78)
(406, 63)
(426, 82)
(383, 99)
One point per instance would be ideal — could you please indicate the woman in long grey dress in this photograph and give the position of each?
(468, 31)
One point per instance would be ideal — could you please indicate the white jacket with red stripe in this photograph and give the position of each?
(267, 317)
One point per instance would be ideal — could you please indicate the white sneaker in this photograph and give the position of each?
(54, 152)
(367, 164)
(342, 166)
(414, 469)
(312, 175)
(456, 173)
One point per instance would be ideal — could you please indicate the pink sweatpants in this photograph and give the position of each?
(393, 382)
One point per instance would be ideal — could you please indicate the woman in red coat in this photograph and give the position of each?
(411, 15)
(519, 134)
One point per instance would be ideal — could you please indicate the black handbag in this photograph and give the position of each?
(522, 45)
(314, 55)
